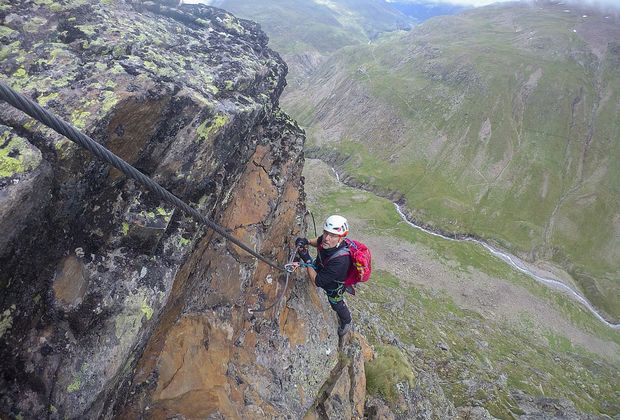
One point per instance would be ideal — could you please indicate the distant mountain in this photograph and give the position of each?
(424, 11)
(500, 122)
(306, 31)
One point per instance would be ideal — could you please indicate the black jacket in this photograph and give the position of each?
(331, 272)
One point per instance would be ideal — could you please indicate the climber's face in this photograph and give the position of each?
(330, 240)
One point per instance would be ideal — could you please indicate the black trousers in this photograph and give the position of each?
(341, 308)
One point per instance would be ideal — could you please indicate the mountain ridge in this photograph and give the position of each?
(306, 32)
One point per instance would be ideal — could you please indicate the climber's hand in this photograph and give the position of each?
(301, 242)
(304, 255)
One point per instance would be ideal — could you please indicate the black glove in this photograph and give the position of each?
(304, 255)
(301, 242)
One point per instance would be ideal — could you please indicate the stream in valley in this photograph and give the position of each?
(512, 260)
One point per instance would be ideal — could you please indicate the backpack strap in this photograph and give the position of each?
(340, 253)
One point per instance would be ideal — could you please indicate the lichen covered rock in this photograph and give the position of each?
(113, 302)
(24, 183)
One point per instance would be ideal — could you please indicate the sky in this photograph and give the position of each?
(476, 3)
(605, 4)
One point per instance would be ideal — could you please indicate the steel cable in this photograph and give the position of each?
(37, 112)
(281, 294)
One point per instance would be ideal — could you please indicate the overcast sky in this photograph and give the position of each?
(476, 3)
(459, 2)
(615, 3)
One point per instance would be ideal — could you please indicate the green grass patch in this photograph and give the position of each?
(386, 279)
(558, 342)
(486, 358)
(388, 369)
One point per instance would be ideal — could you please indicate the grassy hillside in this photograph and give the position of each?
(427, 303)
(501, 122)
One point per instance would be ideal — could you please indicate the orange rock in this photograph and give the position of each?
(344, 394)
(70, 282)
(358, 376)
(367, 351)
(293, 327)
(193, 371)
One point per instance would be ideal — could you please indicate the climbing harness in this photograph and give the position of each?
(37, 112)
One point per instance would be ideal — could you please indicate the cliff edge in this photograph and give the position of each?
(113, 303)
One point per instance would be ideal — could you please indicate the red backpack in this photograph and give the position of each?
(361, 265)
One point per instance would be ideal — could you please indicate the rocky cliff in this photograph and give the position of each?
(114, 303)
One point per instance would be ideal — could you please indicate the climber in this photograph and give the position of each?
(330, 268)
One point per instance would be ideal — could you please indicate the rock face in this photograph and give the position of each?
(344, 393)
(114, 303)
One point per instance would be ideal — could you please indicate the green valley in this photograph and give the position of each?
(442, 311)
(501, 122)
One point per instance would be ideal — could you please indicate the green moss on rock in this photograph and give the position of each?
(232, 24)
(390, 368)
(205, 130)
(17, 155)
(75, 385)
(79, 117)
(44, 99)
(78, 379)
(6, 320)
(128, 322)
(9, 49)
(87, 29)
(20, 73)
(166, 214)
(33, 24)
(110, 99)
(146, 310)
(5, 31)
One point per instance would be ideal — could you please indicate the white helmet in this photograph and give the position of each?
(337, 225)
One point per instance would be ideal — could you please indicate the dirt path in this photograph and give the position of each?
(492, 297)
